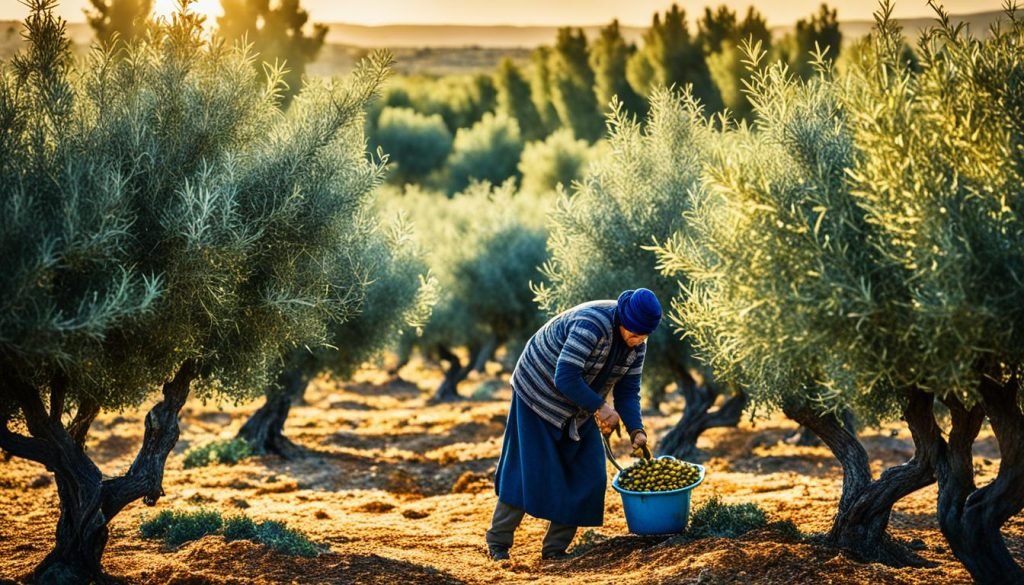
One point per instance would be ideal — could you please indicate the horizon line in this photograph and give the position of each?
(592, 25)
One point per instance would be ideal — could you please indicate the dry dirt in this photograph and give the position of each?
(401, 492)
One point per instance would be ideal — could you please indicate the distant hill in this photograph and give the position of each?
(445, 49)
(395, 36)
(455, 36)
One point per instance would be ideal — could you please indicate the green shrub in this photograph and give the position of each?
(283, 539)
(175, 527)
(726, 520)
(228, 451)
(239, 528)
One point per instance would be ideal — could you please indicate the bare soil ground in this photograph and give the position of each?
(401, 492)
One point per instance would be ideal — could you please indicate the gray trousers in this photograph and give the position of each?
(507, 518)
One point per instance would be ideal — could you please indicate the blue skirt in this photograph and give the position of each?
(547, 474)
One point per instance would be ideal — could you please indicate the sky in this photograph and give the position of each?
(542, 12)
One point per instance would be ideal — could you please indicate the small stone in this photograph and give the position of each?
(41, 481)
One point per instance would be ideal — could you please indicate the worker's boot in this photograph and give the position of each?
(497, 553)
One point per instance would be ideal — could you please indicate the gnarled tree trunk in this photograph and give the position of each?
(87, 502)
(454, 373)
(681, 441)
(971, 518)
(264, 431)
(860, 526)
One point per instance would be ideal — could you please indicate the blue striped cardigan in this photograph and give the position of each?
(581, 337)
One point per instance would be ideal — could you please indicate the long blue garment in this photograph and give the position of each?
(544, 472)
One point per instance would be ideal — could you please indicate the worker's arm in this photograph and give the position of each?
(582, 338)
(626, 395)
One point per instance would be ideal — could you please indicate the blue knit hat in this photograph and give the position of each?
(639, 311)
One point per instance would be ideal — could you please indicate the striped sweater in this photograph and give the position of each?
(578, 340)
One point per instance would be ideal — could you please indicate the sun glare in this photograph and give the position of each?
(210, 9)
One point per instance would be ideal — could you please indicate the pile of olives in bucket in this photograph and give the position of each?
(658, 475)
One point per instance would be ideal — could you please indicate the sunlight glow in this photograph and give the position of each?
(210, 9)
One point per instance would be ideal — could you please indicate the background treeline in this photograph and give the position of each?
(442, 131)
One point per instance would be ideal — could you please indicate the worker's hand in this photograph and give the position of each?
(607, 419)
(639, 438)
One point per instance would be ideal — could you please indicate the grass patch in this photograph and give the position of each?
(726, 520)
(175, 528)
(788, 529)
(229, 452)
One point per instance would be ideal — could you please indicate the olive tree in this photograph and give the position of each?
(857, 251)
(671, 57)
(118, 18)
(599, 233)
(278, 33)
(416, 144)
(541, 91)
(165, 227)
(558, 159)
(515, 100)
(572, 85)
(941, 177)
(398, 297)
(609, 55)
(484, 246)
(488, 151)
(818, 32)
(783, 288)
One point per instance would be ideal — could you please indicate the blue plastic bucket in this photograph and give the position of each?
(657, 512)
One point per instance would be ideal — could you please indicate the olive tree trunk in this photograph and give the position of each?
(681, 441)
(971, 518)
(454, 373)
(860, 526)
(264, 431)
(88, 502)
(485, 354)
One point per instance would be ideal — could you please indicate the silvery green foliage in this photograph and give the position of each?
(461, 100)
(558, 159)
(416, 144)
(159, 207)
(484, 246)
(400, 295)
(783, 288)
(940, 179)
(631, 198)
(488, 151)
(867, 235)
